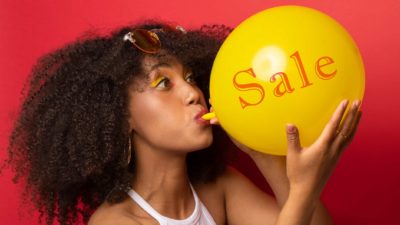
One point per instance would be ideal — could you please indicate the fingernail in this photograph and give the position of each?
(213, 121)
(344, 103)
(290, 127)
(356, 104)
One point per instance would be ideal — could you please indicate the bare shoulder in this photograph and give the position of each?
(230, 177)
(245, 202)
(217, 188)
(233, 182)
(115, 214)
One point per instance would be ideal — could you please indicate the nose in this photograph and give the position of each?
(191, 94)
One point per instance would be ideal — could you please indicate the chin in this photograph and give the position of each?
(208, 142)
(197, 141)
(205, 143)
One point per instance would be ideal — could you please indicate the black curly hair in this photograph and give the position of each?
(68, 145)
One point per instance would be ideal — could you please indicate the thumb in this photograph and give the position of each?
(292, 135)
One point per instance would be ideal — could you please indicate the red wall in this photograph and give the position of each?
(364, 187)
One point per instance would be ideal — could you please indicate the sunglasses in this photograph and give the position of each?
(147, 40)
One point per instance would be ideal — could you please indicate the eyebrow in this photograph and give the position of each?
(167, 65)
(158, 65)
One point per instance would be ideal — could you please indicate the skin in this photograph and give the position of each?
(161, 142)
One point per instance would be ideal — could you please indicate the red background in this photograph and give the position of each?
(364, 187)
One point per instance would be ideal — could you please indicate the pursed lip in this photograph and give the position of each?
(199, 115)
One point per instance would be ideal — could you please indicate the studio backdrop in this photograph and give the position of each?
(363, 189)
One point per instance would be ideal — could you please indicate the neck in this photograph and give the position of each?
(161, 179)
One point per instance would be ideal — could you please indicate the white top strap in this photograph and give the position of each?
(191, 220)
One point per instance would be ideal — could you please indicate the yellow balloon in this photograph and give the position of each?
(287, 64)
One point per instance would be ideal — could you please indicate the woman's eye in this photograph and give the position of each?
(161, 82)
(190, 78)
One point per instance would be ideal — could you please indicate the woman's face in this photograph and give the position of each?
(166, 113)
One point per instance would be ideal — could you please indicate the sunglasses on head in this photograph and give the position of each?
(147, 40)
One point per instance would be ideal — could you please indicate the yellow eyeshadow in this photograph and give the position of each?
(155, 82)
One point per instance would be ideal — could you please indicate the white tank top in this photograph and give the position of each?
(200, 215)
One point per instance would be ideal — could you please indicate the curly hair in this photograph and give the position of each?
(69, 142)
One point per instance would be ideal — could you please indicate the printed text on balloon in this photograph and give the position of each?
(284, 86)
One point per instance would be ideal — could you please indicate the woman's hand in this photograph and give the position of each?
(298, 179)
(309, 168)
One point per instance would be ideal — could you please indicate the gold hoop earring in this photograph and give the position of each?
(129, 151)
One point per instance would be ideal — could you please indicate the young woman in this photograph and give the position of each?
(111, 132)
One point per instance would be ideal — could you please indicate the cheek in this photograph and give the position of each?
(143, 111)
(152, 116)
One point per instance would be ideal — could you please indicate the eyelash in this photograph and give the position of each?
(163, 80)
(190, 78)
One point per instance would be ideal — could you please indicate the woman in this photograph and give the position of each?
(111, 129)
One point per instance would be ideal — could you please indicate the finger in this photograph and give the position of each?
(347, 126)
(331, 127)
(293, 139)
(214, 121)
(354, 126)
